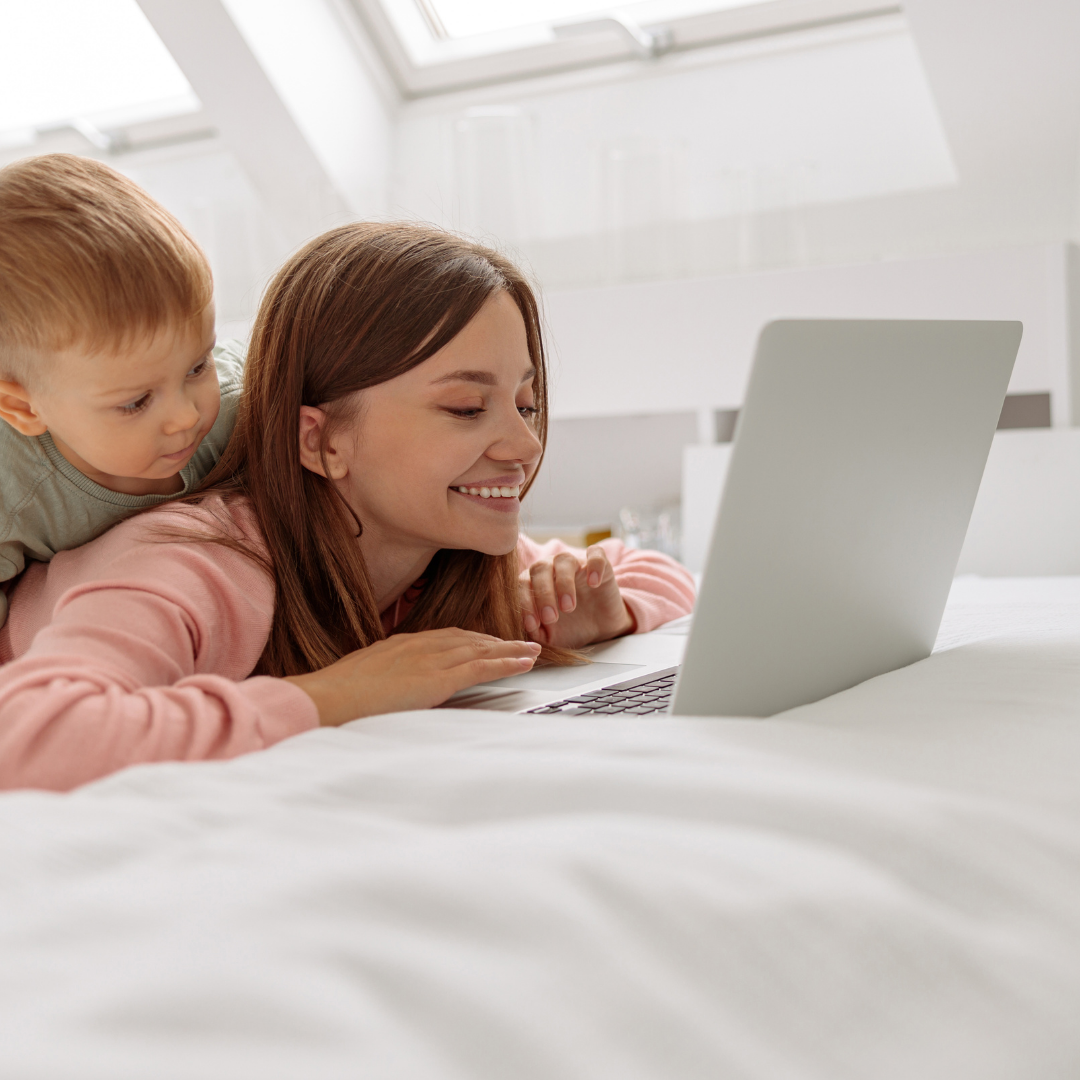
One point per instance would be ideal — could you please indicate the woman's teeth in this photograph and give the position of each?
(492, 492)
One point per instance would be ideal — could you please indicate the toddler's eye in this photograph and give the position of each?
(466, 414)
(135, 406)
(199, 368)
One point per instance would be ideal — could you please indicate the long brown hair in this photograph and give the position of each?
(356, 307)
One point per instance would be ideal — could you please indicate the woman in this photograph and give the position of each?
(355, 551)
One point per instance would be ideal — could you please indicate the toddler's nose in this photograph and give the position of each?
(183, 418)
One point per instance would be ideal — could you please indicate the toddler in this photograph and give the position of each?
(113, 393)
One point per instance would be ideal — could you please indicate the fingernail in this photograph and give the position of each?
(549, 614)
(525, 661)
(566, 602)
(530, 622)
(594, 579)
(535, 646)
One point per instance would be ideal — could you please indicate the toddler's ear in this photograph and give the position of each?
(17, 409)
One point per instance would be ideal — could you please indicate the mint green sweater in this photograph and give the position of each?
(47, 505)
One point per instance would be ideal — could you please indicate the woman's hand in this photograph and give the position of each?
(411, 671)
(570, 603)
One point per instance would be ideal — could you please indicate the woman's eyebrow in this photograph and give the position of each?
(484, 378)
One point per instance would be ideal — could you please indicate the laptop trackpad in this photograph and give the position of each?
(565, 678)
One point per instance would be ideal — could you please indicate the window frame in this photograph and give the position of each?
(448, 65)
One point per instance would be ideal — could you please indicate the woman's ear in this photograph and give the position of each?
(17, 409)
(312, 425)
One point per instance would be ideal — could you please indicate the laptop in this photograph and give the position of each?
(857, 457)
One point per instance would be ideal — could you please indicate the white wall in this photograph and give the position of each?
(1026, 519)
(704, 470)
(596, 466)
(819, 117)
(623, 351)
(688, 344)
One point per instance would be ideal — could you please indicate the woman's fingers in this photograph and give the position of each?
(551, 589)
(527, 605)
(481, 670)
(597, 566)
(569, 602)
(452, 647)
(481, 648)
(554, 589)
(484, 659)
(566, 568)
(545, 604)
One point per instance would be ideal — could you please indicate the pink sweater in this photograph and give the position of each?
(131, 649)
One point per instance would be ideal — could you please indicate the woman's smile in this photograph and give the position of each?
(502, 497)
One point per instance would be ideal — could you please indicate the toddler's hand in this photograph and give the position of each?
(571, 604)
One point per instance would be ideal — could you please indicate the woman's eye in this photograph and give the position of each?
(528, 411)
(466, 414)
(136, 406)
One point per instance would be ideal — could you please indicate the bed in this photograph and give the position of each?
(883, 884)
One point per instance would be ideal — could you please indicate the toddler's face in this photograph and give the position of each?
(132, 419)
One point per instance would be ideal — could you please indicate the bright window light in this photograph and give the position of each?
(467, 18)
(95, 62)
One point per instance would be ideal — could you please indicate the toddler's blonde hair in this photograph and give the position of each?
(87, 258)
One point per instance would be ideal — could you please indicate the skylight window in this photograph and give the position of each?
(466, 18)
(438, 45)
(96, 65)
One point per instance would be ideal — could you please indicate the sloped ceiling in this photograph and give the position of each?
(1006, 78)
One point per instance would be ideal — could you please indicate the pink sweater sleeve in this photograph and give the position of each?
(132, 650)
(654, 586)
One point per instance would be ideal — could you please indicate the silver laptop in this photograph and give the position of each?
(857, 458)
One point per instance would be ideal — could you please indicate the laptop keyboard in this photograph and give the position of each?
(647, 694)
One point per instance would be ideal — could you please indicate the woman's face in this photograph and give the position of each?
(429, 449)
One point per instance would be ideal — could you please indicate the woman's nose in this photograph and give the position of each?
(519, 443)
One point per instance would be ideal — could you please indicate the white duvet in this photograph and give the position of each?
(884, 884)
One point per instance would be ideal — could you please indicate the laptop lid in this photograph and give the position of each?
(857, 458)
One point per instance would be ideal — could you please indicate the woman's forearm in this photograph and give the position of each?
(131, 650)
(65, 721)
